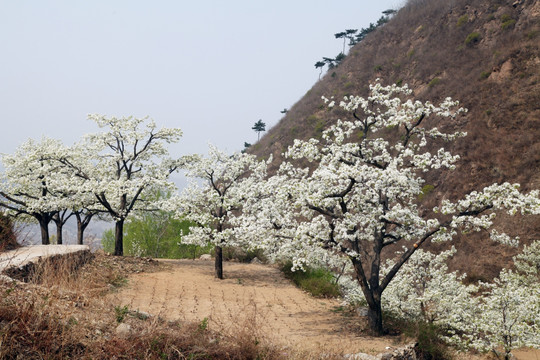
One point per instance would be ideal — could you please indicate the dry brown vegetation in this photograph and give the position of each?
(8, 240)
(61, 314)
(432, 46)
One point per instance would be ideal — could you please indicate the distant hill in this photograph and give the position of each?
(484, 54)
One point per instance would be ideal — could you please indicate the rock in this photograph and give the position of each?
(7, 279)
(205, 257)
(407, 352)
(123, 330)
(141, 315)
(362, 311)
(360, 356)
(256, 260)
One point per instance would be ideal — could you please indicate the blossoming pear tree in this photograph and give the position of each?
(123, 163)
(227, 181)
(498, 317)
(507, 313)
(508, 317)
(361, 197)
(30, 184)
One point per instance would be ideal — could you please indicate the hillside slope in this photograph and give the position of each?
(485, 54)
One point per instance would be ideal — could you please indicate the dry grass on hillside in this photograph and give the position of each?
(66, 315)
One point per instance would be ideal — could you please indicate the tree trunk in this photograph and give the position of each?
(80, 232)
(82, 224)
(375, 318)
(44, 225)
(219, 262)
(59, 238)
(119, 238)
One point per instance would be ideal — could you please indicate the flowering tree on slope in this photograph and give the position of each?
(507, 314)
(122, 164)
(228, 181)
(502, 315)
(362, 196)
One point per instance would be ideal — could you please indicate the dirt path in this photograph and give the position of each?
(254, 298)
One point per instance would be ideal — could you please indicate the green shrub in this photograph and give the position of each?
(121, 312)
(156, 235)
(532, 34)
(426, 189)
(428, 336)
(319, 128)
(316, 281)
(312, 119)
(472, 38)
(434, 82)
(410, 53)
(508, 24)
(485, 74)
(377, 68)
(430, 345)
(505, 18)
(462, 20)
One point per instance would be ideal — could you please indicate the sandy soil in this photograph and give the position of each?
(254, 297)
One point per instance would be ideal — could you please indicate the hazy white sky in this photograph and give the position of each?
(212, 68)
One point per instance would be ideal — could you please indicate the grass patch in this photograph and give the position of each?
(316, 281)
